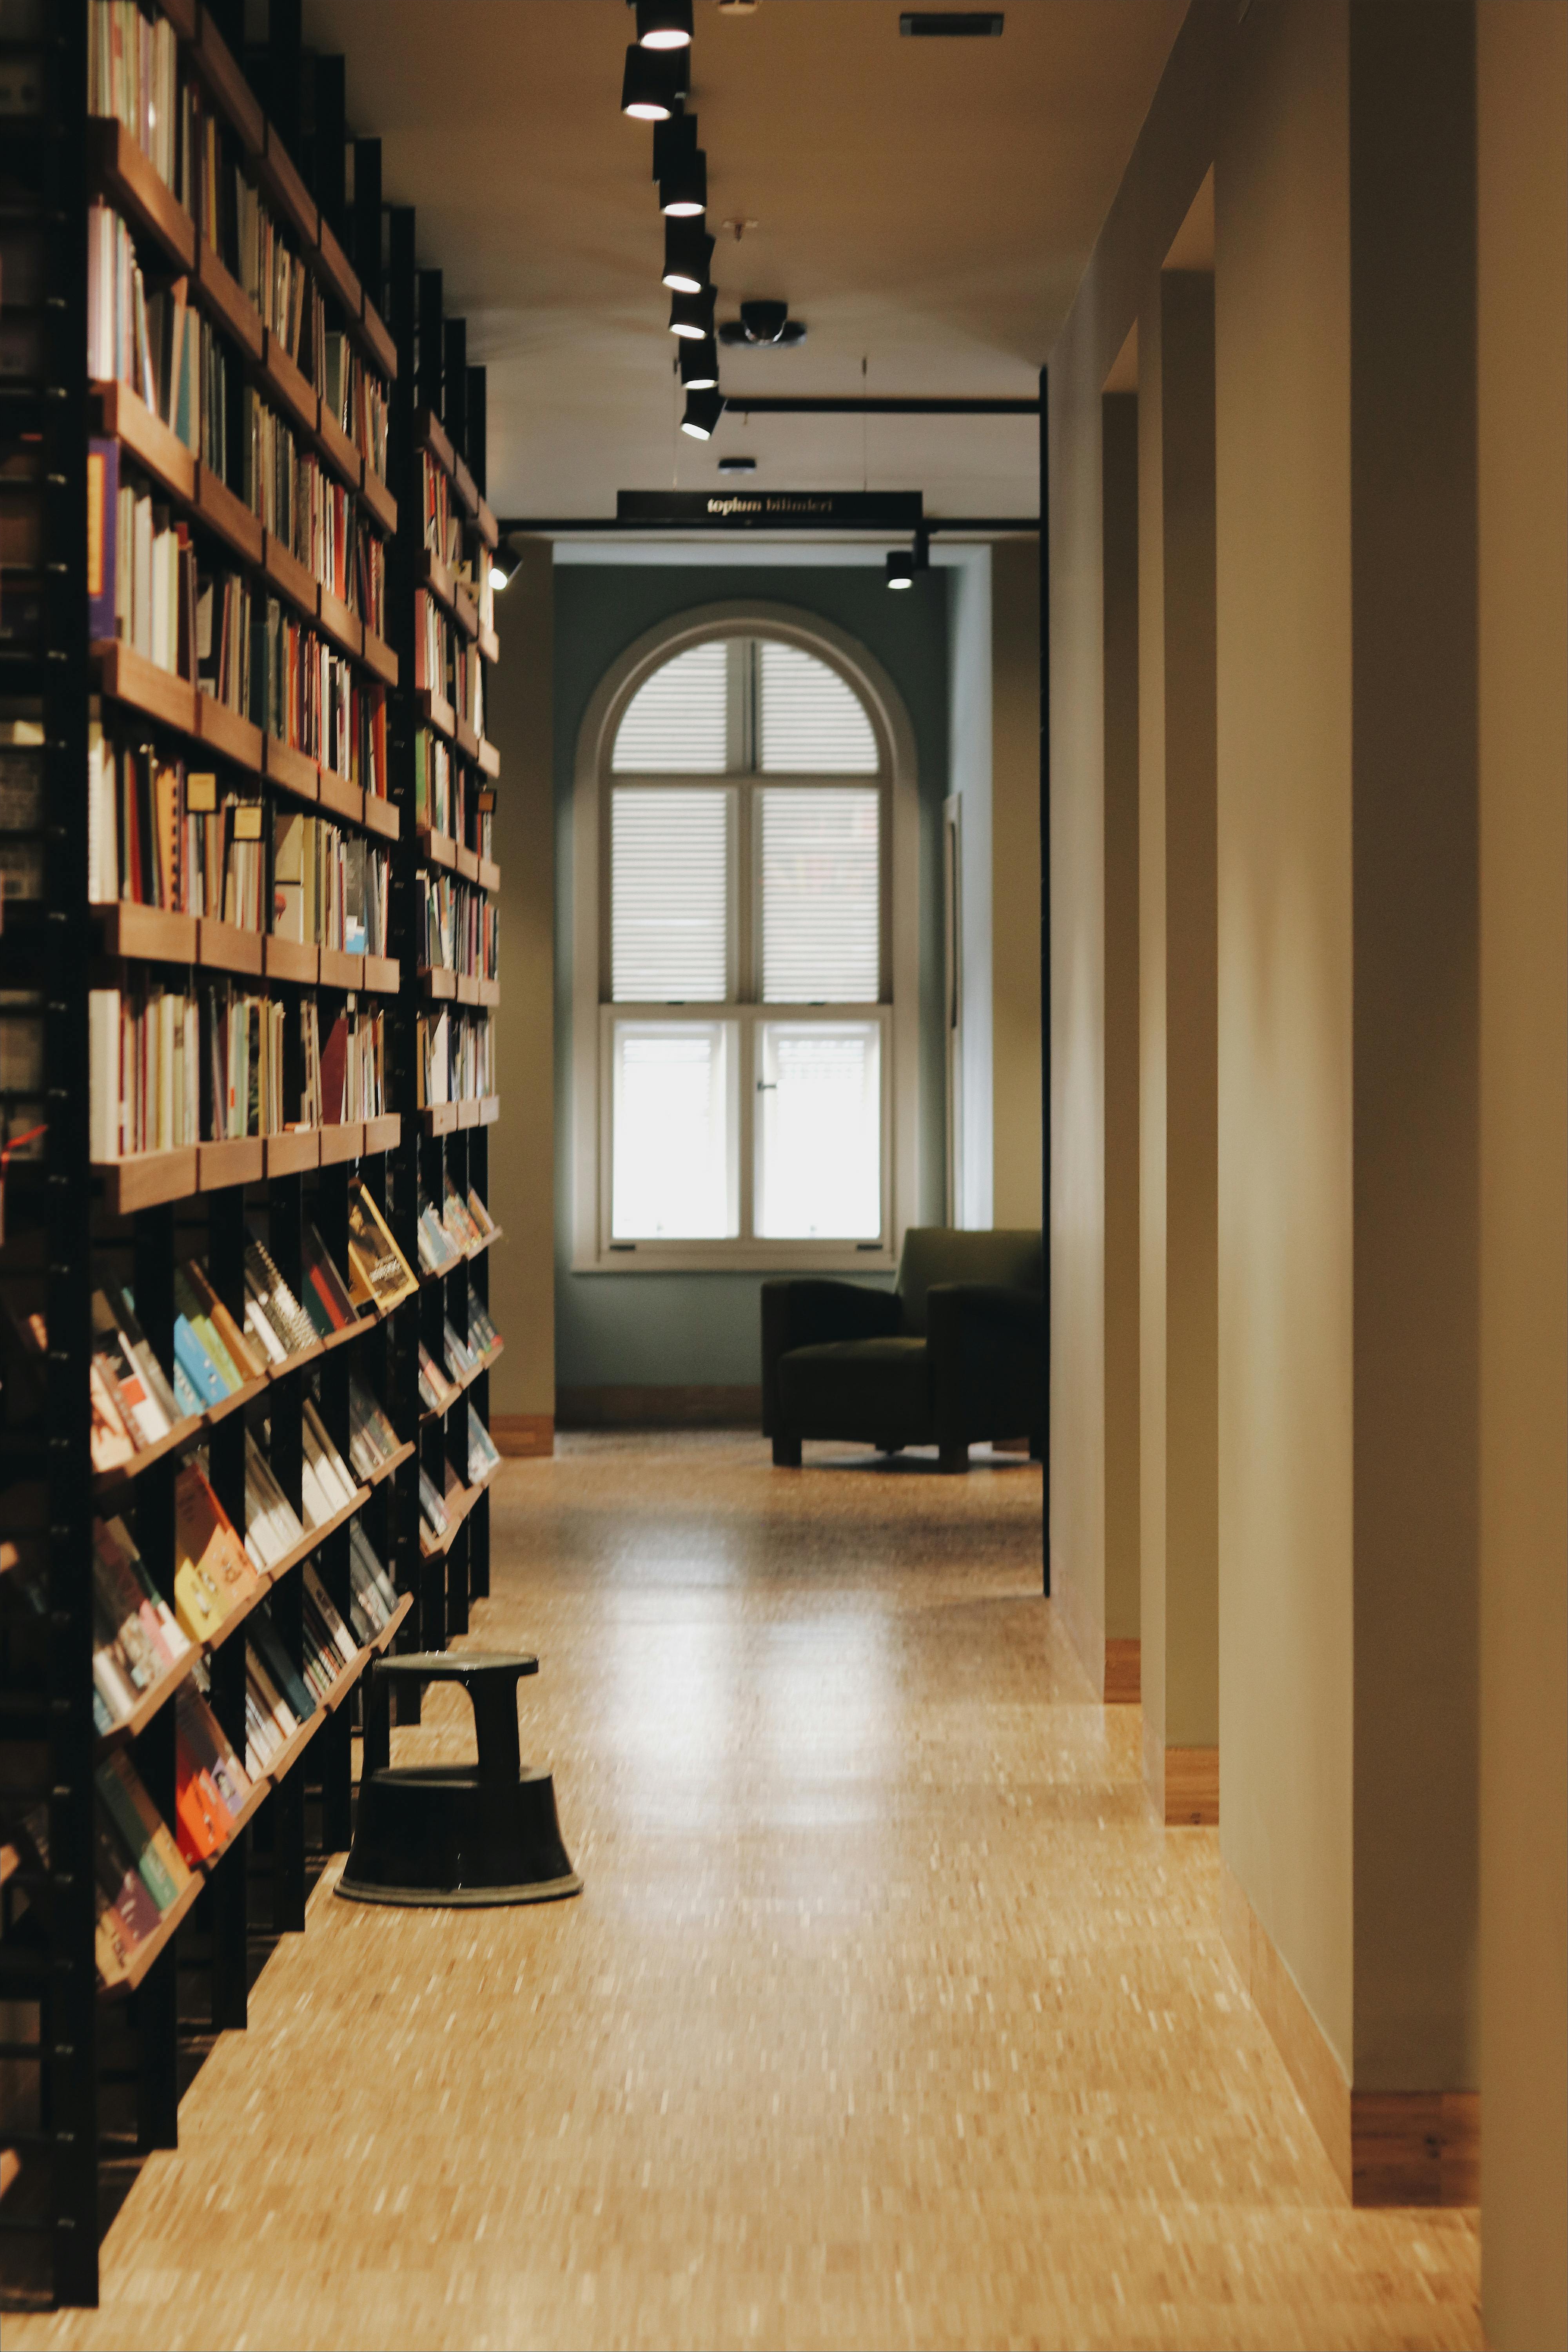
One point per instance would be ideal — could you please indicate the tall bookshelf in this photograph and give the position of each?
(247, 966)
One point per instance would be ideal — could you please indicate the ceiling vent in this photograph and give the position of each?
(951, 23)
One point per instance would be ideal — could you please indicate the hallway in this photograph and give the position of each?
(885, 2016)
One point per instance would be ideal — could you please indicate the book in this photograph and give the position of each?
(140, 1831)
(379, 1273)
(212, 1571)
(102, 535)
(284, 1675)
(327, 1300)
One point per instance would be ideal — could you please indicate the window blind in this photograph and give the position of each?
(812, 724)
(821, 868)
(670, 870)
(676, 723)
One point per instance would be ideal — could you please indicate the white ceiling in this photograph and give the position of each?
(928, 205)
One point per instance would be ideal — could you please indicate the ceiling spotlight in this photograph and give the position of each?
(900, 569)
(703, 410)
(764, 322)
(654, 83)
(688, 254)
(737, 465)
(698, 363)
(683, 189)
(692, 315)
(664, 23)
(504, 561)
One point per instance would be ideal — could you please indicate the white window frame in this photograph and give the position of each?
(593, 1252)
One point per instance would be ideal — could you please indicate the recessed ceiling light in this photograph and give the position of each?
(951, 23)
(664, 23)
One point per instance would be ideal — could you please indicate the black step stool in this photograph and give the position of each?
(452, 1833)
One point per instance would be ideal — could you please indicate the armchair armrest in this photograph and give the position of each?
(988, 1356)
(808, 1314)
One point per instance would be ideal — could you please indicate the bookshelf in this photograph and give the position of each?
(247, 969)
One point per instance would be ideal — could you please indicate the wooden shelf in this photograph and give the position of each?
(489, 758)
(337, 272)
(436, 577)
(236, 1399)
(383, 505)
(147, 934)
(227, 1626)
(339, 797)
(378, 658)
(228, 87)
(458, 1505)
(226, 732)
(468, 1114)
(291, 578)
(296, 1362)
(295, 771)
(286, 386)
(489, 529)
(384, 1132)
(436, 848)
(339, 625)
(381, 816)
(241, 1160)
(489, 991)
(467, 742)
(148, 1704)
(293, 1749)
(289, 959)
(436, 712)
(467, 988)
(341, 1141)
(145, 1178)
(383, 975)
(429, 434)
(228, 516)
(124, 416)
(174, 1440)
(383, 350)
(440, 986)
(290, 195)
(468, 863)
(490, 1110)
(126, 676)
(392, 1462)
(315, 1536)
(489, 643)
(226, 947)
(439, 1119)
(464, 612)
(224, 299)
(291, 1153)
(489, 875)
(118, 169)
(341, 970)
(483, 1365)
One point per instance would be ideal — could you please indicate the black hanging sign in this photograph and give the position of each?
(749, 509)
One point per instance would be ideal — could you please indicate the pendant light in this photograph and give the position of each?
(654, 83)
(692, 315)
(900, 571)
(698, 363)
(688, 254)
(664, 23)
(703, 410)
(683, 189)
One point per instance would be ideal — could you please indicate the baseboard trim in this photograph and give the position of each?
(1191, 1787)
(659, 1408)
(525, 1436)
(1386, 2148)
(1123, 1672)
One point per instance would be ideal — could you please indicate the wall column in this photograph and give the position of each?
(1178, 1210)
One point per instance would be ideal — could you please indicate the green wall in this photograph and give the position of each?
(679, 1330)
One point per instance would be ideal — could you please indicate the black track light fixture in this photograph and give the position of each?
(664, 23)
(683, 189)
(692, 315)
(654, 85)
(698, 363)
(504, 560)
(905, 562)
(703, 410)
(688, 255)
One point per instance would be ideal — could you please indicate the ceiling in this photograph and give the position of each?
(926, 206)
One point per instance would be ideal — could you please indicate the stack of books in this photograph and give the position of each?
(435, 1391)
(328, 1486)
(278, 1699)
(329, 1646)
(373, 1600)
(213, 1357)
(440, 1250)
(379, 1273)
(483, 1456)
(273, 1315)
(272, 1528)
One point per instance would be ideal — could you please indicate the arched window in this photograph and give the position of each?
(744, 831)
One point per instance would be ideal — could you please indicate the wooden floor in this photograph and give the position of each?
(885, 2018)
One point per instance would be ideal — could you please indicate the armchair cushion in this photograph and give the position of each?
(866, 1389)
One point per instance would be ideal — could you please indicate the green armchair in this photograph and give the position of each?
(954, 1354)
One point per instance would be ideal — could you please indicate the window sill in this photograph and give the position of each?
(842, 1258)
